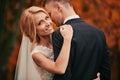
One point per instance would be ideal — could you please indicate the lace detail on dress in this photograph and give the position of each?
(45, 75)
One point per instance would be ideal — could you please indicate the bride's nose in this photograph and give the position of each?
(48, 23)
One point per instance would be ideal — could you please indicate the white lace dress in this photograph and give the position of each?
(44, 75)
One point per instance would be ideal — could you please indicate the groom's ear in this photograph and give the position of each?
(58, 6)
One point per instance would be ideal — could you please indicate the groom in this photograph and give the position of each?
(89, 52)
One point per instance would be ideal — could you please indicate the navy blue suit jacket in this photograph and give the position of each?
(89, 52)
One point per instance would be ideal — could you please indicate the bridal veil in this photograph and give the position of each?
(25, 68)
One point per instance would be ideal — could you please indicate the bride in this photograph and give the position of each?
(35, 60)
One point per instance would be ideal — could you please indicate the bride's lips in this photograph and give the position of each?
(49, 29)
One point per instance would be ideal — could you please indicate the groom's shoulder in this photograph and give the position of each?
(56, 33)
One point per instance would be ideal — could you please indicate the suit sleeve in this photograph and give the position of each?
(57, 41)
(105, 69)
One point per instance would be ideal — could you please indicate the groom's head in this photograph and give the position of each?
(57, 9)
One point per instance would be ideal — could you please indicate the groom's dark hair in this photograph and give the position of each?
(44, 2)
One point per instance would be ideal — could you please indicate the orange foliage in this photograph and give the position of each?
(12, 61)
(103, 14)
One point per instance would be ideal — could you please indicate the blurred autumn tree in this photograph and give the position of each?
(104, 14)
(9, 14)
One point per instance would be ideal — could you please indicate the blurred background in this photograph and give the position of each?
(104, 14)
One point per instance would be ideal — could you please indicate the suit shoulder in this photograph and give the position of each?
(56, 34)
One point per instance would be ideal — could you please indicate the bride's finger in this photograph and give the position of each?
(61, 28)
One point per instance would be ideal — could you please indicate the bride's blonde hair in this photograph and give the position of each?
(27, 25)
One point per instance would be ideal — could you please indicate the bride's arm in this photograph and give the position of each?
(59, 66)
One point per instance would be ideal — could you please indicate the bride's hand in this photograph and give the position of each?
(66, 31)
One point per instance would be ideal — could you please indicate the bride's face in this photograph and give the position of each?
(43, 24)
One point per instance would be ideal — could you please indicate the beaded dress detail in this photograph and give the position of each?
(45, 75)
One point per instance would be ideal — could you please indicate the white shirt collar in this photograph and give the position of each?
(71, 17)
